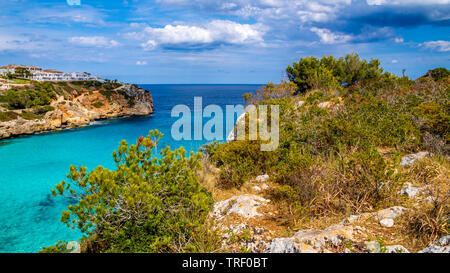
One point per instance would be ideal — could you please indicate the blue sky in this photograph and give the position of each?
(230, 41)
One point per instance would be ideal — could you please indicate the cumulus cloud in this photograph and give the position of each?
(441, 46)
(216, 32)
(328, 37)
(94, 41)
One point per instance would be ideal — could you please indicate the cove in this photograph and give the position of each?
(30, 166)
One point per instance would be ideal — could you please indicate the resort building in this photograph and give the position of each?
(38, 74)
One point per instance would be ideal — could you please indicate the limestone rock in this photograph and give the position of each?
(390, 213)
(244, 206)
(411, 191)
(313, 241)
(388, 222)
(262, 178)
(300, 104)
(81, 111)
(441, 246)
(373, 247)
(408, 160)
(256, 188)
(396, 249)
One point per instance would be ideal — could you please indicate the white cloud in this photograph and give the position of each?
(394, 61)
(328, 37)
(141, 63)
(441, 46)
(407, 2)
(214, 32)
(399, 40)
(95, 41)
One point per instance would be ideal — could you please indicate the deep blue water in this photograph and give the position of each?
(31, 166)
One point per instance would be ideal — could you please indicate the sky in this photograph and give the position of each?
(229, 41)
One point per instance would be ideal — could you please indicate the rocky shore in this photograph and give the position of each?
(125, 101)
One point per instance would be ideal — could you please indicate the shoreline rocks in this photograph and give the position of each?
(127, 101)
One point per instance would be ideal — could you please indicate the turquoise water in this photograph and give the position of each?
(31, 166)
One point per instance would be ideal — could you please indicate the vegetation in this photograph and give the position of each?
(339, 155)
(41, 95)
(342, 159)
(98, 104)
(148, 204)
(8, 116)
(330, 73)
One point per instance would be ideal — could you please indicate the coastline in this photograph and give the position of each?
(80, 111)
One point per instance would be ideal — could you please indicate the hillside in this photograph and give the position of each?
(47, 106)
(362, 166)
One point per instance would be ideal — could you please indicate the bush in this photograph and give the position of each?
(8, 116)
(328, 73)
(148, 204)
(438, 74)
(98, 104)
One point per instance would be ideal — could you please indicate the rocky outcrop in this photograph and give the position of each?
(314, 241)
(441, 246)
(125, 101)
(412, 191)
(244, 206)
(408, 160)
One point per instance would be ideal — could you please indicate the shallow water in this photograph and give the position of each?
(31, 166)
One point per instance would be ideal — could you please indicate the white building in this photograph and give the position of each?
(38, 74)
(12, 69)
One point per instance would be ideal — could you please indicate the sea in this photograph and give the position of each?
(30, 166)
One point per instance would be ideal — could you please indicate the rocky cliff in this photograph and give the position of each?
(81, 110)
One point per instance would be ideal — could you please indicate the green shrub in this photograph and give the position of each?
(8, 116)
(30, 116)
(329, 73)
(149, 203)
(438, 74)
(98, 104)
(59, 247)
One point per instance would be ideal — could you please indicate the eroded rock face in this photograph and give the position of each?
(130, 100)
(244, 206)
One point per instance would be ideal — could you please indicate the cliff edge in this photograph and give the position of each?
(79, 110)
